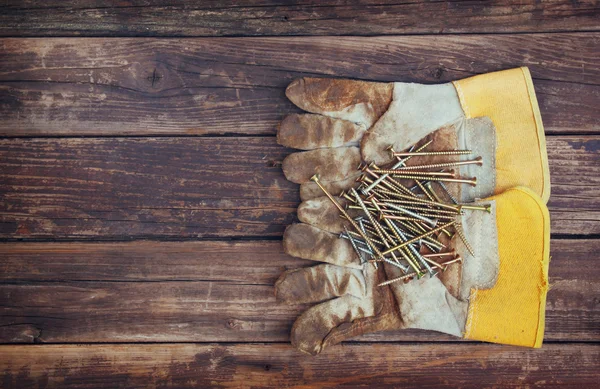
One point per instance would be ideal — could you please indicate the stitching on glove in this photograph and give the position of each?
(461, 99)
(471, 315)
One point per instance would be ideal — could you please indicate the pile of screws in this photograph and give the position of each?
(401, 225)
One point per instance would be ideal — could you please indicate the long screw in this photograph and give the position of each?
(423, 209)
(400, 163)
(410, 275)
(416, 238)
(369, 216)
(406, 253)
(447, 192)
(315, 178)
(472, 181)
(431, 222)
(487, 208)
(449, 253)
(387, 236)
(477, 161)
(422, 202)
(389, 183)
(354, 245)
(407, 276)
(418, 154)
(402, 238)
(462, 236)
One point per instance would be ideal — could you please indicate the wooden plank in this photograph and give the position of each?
(212, 291)
(236, 85)
(277, 366)
(124, 187)
(187, 188)
(574, 205)
(268, 17)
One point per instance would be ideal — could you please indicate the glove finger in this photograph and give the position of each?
(308, 132)
(416, 111)
(323, 214)
(319, 283)
(355, 101)
(311, 329)
(308, 242)
(330, 164)
(310, 190)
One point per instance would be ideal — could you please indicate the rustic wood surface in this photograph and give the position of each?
(236, 85)
(277, 365)
(268, 17)
(123, 188)
(212, 291)
(142, 202)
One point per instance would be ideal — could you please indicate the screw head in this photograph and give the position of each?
(391, 150)
(315, 177)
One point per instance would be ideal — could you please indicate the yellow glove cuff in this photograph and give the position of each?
(513, 310)
(508, 98)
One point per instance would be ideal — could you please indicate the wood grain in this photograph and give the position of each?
(267, 17)
(126, 187)
(277, 366)
(71, 86)
(212, 292)
(188, 188)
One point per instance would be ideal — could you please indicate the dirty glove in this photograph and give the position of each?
(495, 115)
(497, 296)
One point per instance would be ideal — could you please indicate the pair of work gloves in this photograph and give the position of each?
(498, 292)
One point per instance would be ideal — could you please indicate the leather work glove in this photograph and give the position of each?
(496, 115)
(497, 295)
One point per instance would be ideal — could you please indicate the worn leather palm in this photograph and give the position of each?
(373, 116)
(495, 115)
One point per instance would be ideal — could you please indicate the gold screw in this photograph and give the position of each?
(400, 163)
(315, 178)
(418, 154)
(462, 236)
(416, 238)
(409, 176)
(487, 208)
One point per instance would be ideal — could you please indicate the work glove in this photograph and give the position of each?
(498, 295)
(493, 115)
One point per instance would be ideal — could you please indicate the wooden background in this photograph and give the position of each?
(142, 205)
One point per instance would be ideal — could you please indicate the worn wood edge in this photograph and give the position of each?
(230, 298)
(307, 18)
(271, 365)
